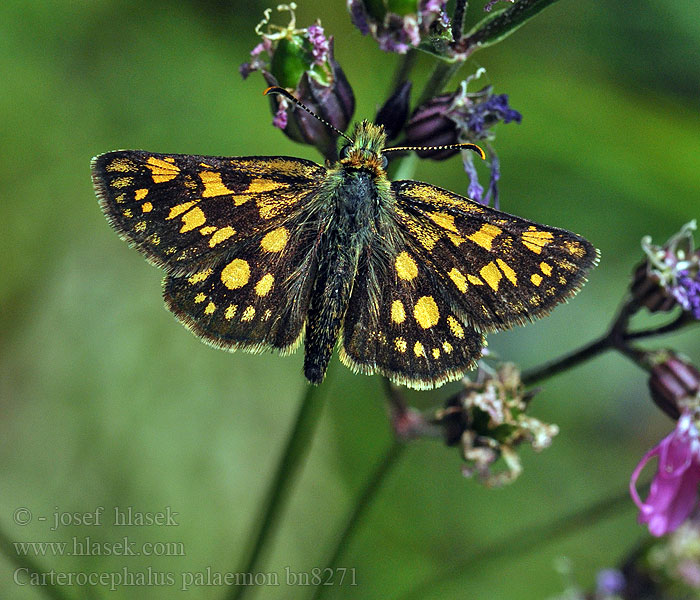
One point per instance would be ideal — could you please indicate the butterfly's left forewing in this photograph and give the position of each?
(183, 211)
(235, 235)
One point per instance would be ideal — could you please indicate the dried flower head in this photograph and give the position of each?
(488, 420)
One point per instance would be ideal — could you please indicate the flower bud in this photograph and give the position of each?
(302, 61)
(398, 25)
(395, 111)
(674, 384)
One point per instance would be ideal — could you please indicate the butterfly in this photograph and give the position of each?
(262, 252)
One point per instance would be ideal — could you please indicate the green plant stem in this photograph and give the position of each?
(49, 589)
(442, 73)
(524, 541)
(295, 450)
(403, 70)
(359, 510)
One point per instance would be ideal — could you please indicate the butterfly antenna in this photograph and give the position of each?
(465, 146)
(282, 92)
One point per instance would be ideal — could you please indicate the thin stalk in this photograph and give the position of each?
(570, 360)
(403, 70)
(442, 73)
(525, 541)
(360, 506)
(296, 449)
(30, 567)
(458, 20)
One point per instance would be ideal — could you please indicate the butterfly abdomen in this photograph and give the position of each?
(351, 202)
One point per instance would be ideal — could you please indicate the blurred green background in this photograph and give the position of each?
(106, 401)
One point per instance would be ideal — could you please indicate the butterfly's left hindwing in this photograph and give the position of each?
(256, 298)
(183, 211)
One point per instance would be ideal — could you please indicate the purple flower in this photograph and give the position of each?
(670, 275)
(674, 490)
(397, 32)
(463, 116)
(315, 35)
(687, 292)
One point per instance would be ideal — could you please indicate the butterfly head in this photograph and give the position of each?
(365, 151)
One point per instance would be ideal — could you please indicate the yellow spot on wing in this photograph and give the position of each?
(235, 274)
(178, 209)
(406, 267)
(546, 268)
(192, 219)
(201, 297)
(257, 186)
(161, 170)
(121, 165)
(418, 349)
(400, 344)
(265, 284)
(485, 236)
(507, 271)
(443, 220)
(146, 207)
(222, 234)
(248, 314)
(213, 186)
(436, 352)
(398, 313)
(491, 274)
(275, 240)
(535, 240)
(140, 194)
(122, 182)
(211, 307)
(575, 249)
(459, 280)
(426, 312)
(447, 347)
(200, 276)
(474, 280)
(207, 230)
(230, 311)
(455, 327)
(536, 278)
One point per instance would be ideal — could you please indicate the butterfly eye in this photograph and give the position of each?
(385, 161)
(345, 151)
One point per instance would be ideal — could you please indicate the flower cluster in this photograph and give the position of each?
(399, 25)
(487, 420)
(670, 275)
(463, 116)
